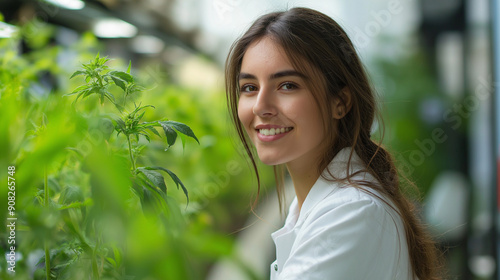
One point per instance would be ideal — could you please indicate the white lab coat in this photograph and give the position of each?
(341, 233)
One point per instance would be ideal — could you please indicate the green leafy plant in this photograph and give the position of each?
(89, 247)
(98, 78)
(92, 200)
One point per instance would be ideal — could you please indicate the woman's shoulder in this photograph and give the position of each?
(355, 201)
(351, 225)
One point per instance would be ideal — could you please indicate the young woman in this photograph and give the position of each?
(298, 92)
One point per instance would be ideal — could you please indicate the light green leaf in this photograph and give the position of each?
(112, 262)
(77, 73)
(152, 129)
(118, 256)
(119, 82)
(123, 75)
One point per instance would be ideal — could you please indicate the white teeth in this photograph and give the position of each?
(274, 131)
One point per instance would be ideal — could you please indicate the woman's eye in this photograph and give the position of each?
(288, 86)
(248, 88)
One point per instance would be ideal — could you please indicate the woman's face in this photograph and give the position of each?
(277, 109)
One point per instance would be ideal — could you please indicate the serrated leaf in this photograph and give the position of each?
(182, 128)
(174, 177)
(154, 177)
(170, 133)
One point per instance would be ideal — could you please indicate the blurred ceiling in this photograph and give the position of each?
(150, 20)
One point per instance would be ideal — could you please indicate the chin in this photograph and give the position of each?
(270, 159)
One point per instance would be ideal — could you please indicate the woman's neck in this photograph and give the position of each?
(303, 176)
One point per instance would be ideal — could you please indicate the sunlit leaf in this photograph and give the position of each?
(123, 75)
(119, 82)
(77, 73)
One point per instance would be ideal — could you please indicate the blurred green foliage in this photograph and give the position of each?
(78, 206)
(412, 109)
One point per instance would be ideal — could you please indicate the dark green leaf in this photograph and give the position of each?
(174, 178)
(154, 177)
(182, 128)
(120, 125)
(170, 133)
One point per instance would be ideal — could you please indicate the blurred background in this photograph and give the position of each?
(433, 63)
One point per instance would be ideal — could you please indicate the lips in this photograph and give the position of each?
(274, 131)
(268, 133)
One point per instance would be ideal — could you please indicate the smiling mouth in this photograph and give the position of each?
(274, 131)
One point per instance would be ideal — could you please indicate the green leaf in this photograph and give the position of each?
(77, 73)
(120, 125)
(152, 129)
(145, 136)
(119, 82)
(122, 75)
(154, 177)
(182, 128)
(169, 133)
(141, 115)
(118, 256)
(78, 90)
(129, 66)
(112, 262)
(138, 108)
(174, 178)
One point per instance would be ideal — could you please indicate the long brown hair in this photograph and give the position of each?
(317, 45)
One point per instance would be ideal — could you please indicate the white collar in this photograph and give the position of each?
(322, 187)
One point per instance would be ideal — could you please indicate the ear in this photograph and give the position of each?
(342, 103)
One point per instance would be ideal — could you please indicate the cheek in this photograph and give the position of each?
(245, 113)
(311, 117)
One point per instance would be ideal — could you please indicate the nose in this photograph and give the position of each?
(265, 104)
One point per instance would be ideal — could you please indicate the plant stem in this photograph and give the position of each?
(130, 153)
(46, 204)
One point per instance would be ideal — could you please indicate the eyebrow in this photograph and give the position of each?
(273, 76)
